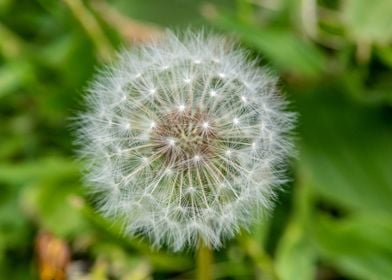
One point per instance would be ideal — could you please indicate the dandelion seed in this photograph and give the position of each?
(253, 145)
(145, 160)
(222, 75)
(243, 98)
(171, 141)
(191, 168)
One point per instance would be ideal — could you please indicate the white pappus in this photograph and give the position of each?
(185, 140)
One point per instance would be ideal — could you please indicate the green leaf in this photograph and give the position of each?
(295, 258)
(49, 200)
(360, 246)
(385, 54)
(346, 150)
(13, 75)
(368, 21)
(13, 224)
(47, 186)
(31, 172)
(282, 47)
(296, 255)
(346, 153)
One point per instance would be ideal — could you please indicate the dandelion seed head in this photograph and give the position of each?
(185, 140)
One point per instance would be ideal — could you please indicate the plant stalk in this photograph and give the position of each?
(204, 262)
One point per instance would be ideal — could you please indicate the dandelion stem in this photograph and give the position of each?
(204, 262)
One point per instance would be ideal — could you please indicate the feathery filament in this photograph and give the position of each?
(185, 140)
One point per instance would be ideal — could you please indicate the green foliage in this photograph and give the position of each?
(332, 221)
(368, 22)
(281, 46)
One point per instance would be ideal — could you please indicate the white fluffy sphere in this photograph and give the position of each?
(186, 140)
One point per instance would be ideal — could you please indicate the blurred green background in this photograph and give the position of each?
(334, 57)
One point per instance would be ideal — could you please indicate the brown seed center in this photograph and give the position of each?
(185, 138)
